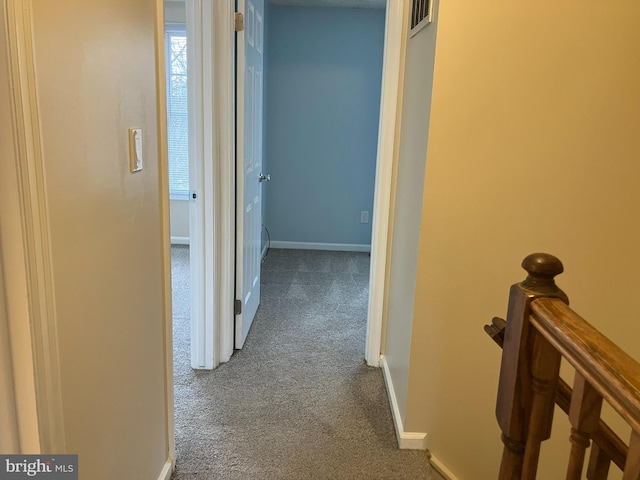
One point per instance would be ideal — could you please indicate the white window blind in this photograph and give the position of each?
(177, 113)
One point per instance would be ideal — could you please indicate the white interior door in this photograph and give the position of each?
(249, 166)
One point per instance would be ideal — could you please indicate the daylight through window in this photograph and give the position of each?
(177, 114)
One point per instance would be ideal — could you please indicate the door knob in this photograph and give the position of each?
(262, 178)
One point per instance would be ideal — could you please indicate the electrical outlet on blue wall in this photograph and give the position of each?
(364, 216)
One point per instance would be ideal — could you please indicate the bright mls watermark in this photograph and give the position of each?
(49, 467)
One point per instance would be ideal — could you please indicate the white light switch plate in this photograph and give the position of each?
(135, 149)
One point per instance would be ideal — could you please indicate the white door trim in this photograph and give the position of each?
(163, 174)
(202, 181)
(224, 99)
(211, 115)
(35, 234)
(384, 167)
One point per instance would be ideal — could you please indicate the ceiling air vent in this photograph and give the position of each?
(421, 11)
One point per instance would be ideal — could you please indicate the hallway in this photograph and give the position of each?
(298, 401)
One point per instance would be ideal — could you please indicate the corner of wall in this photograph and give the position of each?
(167, 470)
(406, 440)
(441, 469)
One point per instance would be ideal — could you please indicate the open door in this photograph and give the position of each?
(248, 166)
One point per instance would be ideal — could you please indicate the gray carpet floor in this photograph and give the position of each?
(298, 401)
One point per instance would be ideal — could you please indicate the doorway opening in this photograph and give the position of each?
(220, 331)
(176, 65)
(323, 72)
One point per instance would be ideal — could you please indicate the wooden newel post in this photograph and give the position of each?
(528, 373)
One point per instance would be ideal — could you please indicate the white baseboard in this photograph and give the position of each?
(406, 440)
(167, 470)
(343, 247)
(439, 467)
(180, 241)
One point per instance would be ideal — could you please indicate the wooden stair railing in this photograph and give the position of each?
(539, 331)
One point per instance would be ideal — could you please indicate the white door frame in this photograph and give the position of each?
(391, 89)
(210, 40)
(385, 158)
(224, 99)
(202, 185)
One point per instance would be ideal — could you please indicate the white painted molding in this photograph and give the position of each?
(180, 240)
(163, 173)
(391, 85)
(167, 470)
(209, 187)
(224, 122)
(194, 26)
(406, 440)
(441, 469)
(342, 247)
(36, 233)
(203, 178)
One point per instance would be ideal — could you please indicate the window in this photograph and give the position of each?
(177, 113)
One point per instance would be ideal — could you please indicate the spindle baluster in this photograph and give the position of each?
(632, 467)
(545, 368)
(584, 414)
(599, 463)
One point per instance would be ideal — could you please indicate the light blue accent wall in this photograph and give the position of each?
(323, 74)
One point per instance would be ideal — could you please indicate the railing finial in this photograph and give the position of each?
(542, 269)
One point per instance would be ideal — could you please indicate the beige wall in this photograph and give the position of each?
(96, 79)
(533, 146)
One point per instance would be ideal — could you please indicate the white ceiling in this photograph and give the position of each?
(331, 3)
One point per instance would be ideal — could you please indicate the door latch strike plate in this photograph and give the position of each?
(237, 310)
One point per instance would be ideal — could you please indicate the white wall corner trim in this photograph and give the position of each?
(439, 467)
(167, 470)
(406, 440)
(180, 241)
(342, 247)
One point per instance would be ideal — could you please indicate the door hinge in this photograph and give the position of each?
(237, 309)
(238, 21)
